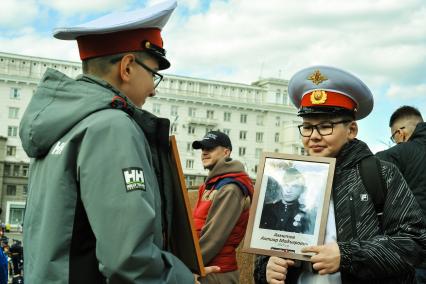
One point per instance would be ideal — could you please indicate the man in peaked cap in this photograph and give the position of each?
(222, 209)
(360, 247)
(100, 181)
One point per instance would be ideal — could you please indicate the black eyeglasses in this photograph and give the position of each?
(324, 128)
(156, 77)
(392, 138)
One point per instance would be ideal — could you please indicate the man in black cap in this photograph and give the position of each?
(361, 245)
(222, 210)
(409, 133)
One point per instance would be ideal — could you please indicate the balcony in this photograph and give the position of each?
(203, 121)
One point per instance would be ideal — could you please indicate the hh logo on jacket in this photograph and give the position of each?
(134, 179)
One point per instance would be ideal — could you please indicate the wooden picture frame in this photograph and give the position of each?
(185, 243)
(290, 205)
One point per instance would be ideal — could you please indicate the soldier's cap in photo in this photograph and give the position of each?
(213, 139)
(118, 32)
(328, 90)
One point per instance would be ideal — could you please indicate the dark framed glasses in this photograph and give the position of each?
(324, 128)
(156, 77)
(392, 138)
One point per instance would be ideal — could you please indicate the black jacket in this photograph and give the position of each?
(410, 158)
(368, 256)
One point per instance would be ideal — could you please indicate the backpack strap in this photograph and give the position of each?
(371, 176)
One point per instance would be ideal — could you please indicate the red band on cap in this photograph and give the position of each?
(326, 98)
(118, 42)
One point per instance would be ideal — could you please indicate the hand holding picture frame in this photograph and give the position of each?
(290, 205)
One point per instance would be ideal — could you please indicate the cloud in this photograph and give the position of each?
(13, 15)
(68, 8)
(31, 43)
(381, 41)
(398, 91)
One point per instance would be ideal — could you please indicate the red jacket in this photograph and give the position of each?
(226, 258)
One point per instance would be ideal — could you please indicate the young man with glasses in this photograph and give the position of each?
(356, 248)
(409, 155)
(100, 190)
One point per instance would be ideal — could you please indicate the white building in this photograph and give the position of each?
(257, 117)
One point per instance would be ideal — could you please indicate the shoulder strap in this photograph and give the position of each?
(371, 176)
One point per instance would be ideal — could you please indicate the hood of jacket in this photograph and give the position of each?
(59, 103)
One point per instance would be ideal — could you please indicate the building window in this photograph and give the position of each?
(156, 108)
(227, 116)
(259, 119)
(191, 112)
(278, 97)
(276, 150)
(302, 151)
(242, 151)
(10, 189)
(243, 118)
(13, 112)
(191, 129)
(243, 135)
(258, 153)
(11, 150)
(7, 170)
(226, 131)
(16, 169)
(259, 137)
(189, 147)
(12, 131)
(25, 189)
(210, 114)
(25, 171)
(255, 168)
(209, 129)
(189, 164)
(174, 110)
(277, 121)
(277, 137)
(15, 93)
(16, 216)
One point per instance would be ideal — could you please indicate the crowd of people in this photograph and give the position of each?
(99, 160)
(11, 260)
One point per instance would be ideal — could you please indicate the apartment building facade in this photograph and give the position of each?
(258, 117)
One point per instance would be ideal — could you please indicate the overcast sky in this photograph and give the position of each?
(383, 42)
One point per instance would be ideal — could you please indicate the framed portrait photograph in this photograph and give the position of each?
(184, 239)
(290, 205)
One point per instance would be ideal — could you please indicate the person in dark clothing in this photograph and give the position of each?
(356, 248)
(285, 213)
(16, 252)
(3, 267)
(409, 154)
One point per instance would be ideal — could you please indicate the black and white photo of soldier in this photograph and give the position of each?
(283, 208)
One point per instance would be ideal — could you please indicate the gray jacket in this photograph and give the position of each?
(99, 192)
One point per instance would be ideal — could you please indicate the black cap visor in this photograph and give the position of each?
(325, 110)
